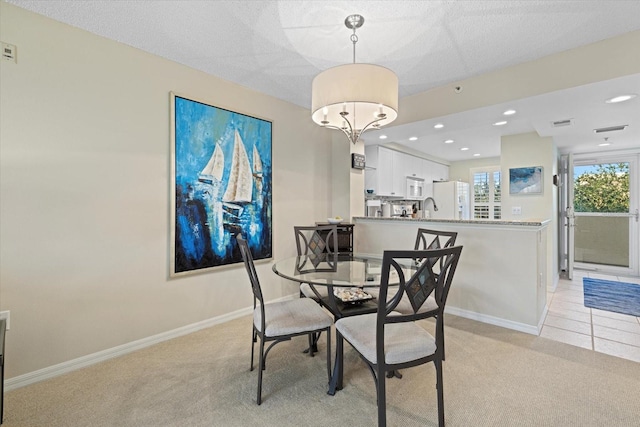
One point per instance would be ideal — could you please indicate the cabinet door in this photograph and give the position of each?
(384, 172)
(413, 166)
(440, 172)
(425, 170)
(399, 174)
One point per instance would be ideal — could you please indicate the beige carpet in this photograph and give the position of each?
(492, 377)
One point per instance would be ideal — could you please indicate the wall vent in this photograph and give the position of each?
(562, 123)
(610, 129)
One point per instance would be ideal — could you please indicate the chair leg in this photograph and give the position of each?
(329, 354)
(439, 387)
(440, 325)
(381, 380)
(260, 369)
(253, 345)
(311, 341)
(336, 379)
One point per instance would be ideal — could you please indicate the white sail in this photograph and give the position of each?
(257, 175)
(215, 166)
(240, 179)
(257, 163)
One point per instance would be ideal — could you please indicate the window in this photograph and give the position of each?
(486, 193)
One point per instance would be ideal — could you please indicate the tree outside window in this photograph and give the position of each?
(601, 188)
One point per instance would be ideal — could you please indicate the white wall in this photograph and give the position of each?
(521, 151)
(526, 150)
(460, 171)
(84, 193)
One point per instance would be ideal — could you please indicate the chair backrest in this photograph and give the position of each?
(434, 239)
(316, 239)
(251, 271)
(423, 282)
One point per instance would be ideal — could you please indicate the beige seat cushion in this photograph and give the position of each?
(404, 342)
(292, 317)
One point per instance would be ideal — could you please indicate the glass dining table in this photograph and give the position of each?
(339, 272)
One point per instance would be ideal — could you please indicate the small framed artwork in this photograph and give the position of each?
(525, 180)
(220, 186)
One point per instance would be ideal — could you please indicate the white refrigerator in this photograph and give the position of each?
(452, 199)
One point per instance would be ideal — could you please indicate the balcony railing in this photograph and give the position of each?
(602, 239)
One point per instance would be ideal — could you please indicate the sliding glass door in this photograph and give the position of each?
(602, 216)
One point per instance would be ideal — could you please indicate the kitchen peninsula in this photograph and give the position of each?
(501, 277)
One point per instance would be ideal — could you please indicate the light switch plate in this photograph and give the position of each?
(516, 210)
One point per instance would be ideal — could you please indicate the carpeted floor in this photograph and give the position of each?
(619, 297)
(492, 377)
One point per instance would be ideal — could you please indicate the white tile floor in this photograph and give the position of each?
(569, 321)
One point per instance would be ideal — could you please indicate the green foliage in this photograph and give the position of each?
(605, 190)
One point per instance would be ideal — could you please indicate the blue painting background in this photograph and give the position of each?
(204, 237)
(525, 180)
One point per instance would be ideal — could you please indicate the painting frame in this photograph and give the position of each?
(220, 186)
(526, 180)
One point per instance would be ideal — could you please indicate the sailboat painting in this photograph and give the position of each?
(221, 186)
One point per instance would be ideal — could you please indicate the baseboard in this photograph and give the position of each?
(110, 353)
(497, 321)
(544, 316)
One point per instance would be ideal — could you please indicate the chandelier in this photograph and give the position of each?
(354, 97)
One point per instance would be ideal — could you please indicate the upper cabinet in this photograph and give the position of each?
(384, 171)
(387, 171)
(439, 172)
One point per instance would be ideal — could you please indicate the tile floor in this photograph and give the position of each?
(569, 321)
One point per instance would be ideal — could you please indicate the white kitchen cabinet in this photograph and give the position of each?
(398, 174)
(426, 171)
(440, 172)
(384, 169)
(387, 171)
(413, 166)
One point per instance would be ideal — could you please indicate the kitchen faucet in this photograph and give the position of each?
(435, 208)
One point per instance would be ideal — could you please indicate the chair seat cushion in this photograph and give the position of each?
(404, 342)
(292, 317)
(306, 290)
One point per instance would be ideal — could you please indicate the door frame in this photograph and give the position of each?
(568, 215)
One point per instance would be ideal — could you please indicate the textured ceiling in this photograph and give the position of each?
(277, 47)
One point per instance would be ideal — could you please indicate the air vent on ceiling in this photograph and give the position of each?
(610, 129)
(562, 123)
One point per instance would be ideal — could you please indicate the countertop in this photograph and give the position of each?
(526, 223)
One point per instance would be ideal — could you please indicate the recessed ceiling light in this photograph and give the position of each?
(383, 136)
(504, 122)
(464, 148)
(605, 143)
(448, 141)
(509, 112)
(476, 155)
(438, 126)
(413, 138)
(620, 98)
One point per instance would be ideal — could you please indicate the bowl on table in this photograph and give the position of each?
(335, 220)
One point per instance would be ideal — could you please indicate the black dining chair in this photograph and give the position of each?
(431, 239)
(428, 239)
(315, 240)
(389, 340)
(281, 321)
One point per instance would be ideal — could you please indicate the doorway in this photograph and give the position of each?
(600, 218)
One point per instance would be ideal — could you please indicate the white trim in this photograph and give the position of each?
(110, 353)
(497, 321)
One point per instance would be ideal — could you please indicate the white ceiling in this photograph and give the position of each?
(277, 47)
